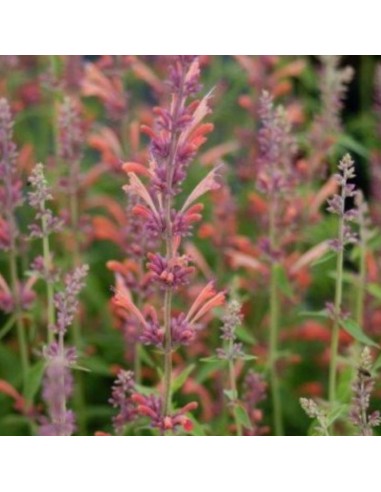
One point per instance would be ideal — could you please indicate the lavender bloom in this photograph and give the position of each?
(58, 381)
(231, 320)
(333, 87)
(37, 199)
(362, 388)
(57, 389)
(336, 205)
(66, 302)
(375, 160)
(255, 388)
(313, 411)
(10, 183)
(70, 132)
(276, 148)
(122, 390)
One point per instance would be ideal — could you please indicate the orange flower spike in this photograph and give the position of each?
(136, 168)
(147, 130)
(142, 211)
(123, 300)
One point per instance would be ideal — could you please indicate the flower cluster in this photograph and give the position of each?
(151, 407)
(314, 411)
(58, 381)
(70, 132)
(362, 388)
(337, 204)
(173, 272)
(276, 149)
(152, 210)
(57, 389)
(183, 327)
(231, 321)
(10, 182)
(176, 136)
(333, 86)
(37, 199)
(122, 390)
(255, 388)
(66, 301)
(25, 293)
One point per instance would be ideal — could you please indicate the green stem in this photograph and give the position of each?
(274, 329)
(61, 348)
(167, 403)
(167, 353)
(362, 274)
(49, 284)
(23, 346)
(137, 363)
(233, 389)
(337, 313)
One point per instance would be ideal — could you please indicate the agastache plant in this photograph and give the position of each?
(315, 411)
(70, 143)
(346, 235)
(58, 380)
(177, 135)
(362, 389)
(136, 243)
(70, 150)
(231, 353)
(46, 224)
(10, 199)
(364, 235)
(327, 125)
(275, 179)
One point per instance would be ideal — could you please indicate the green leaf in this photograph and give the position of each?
(244, 335)
(80, 368)
(314, 314)
(248, 357)
(206, 370)
(282, 281)
(145, 357)
(213, 358)
(33, 380)
(350, 143)
(336, 412)
(351, 327)
(230, 394)
(97, 366)
(182, 377)
(328, 256)
(198, 429)
(145, 390)
(7, 327)
(374, 290)
(375, 242)
(242, 417)
(377, 364)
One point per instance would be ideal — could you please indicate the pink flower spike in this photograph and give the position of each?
(207, 184)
